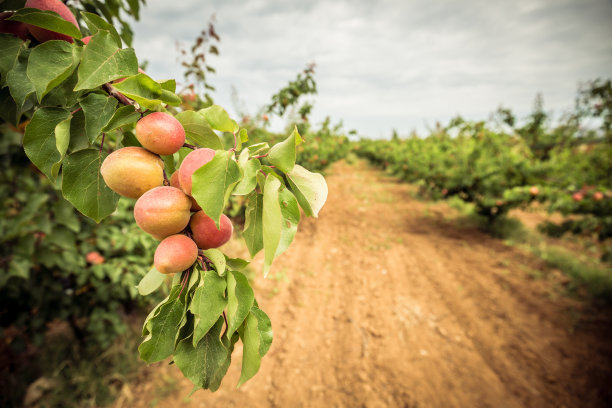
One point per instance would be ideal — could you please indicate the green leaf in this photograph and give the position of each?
(96, 23)
(63, 94)
(9, 112)
(208, 303)
(198, 131)
(310, 189)
(291, 217)
(142, 89)
(150, 282)
(99, 110)
(218, 119)
(62, 140)
(159, 343)
(240, 299)
(213, 183)
(257, 338)
(249, 174)
(19, 84)
(258, 149)
(122, 116)
(11, 46)
(253, 225)
(50, 64)
(102, 61)
(84, 187)
(170, 98)
(217, 258)
(282, 155)
(204, 364)
(39, 140)
(236, 264)
(244, 135)
(272, 221)
(49, 20)
(168, 85)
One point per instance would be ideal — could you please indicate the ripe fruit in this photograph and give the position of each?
(16, 28)
(192, 162)
(94, 258)
(175, 254)
(162, 211)
(86, 39)
(499, 203)
(205, 232)
(131, 171)
(577, 197)
(598, 196)
(160, 133)
(174, 182)
(60, 8)
(534, 190)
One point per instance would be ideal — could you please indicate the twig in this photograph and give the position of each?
(102, 143)
(166, 181)
(117, 95)
(190, 146)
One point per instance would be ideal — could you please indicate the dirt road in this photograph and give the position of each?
(385, 302)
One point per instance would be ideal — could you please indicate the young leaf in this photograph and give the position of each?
(98, 110)
(150, 282)
(258, 149)
(213, 183)
(310, 189)
(159, 343)
(282, 155)
(102, 61)
(204, 363)
(46, 19)
(142, 89)
(122, 116)
(96, 23)
(39, 139)
(253, 224)
(208, 303)
(84, 187)
(257, 338)
(62, 140)
(272, 221)
(249, 171)
(239, 300)
(291, 217)
(218, 119)
(50, 64)
(217, 258)
(198, 131)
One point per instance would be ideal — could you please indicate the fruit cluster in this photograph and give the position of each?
(162, 210)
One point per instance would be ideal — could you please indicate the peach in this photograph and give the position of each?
(205, 232)
(162, 211)
(16, 28)
(175, 254)
(60, 8)
(160, 133)
(131, 171)
(192, 162)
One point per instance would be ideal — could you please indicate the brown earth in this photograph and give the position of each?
(385, 302)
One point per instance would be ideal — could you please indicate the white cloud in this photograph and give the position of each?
(392, 64)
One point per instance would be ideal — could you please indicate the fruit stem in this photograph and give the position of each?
(190, 146)
(235, 141)
(166, 181)
(102, 143)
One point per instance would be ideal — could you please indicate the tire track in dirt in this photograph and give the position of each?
(380, 303)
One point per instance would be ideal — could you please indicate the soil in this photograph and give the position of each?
(387, 301)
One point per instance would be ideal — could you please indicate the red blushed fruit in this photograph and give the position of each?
(174, 182)
(60, 8)
(577, 197)
(94, 258)
(598, 196)
(160, 133)
(205, 232)
(16, 28)
(162, 211)
(86, 40)
(534, 191)
(175, 254)
(192, 162)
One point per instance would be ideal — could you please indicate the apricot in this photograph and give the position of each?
(175, 254)
(60, 8)
(131, 171)
(162, 211)
(160, 133)
(534, 190)
(577, 197)
(598, 196)
(174, 182)
(16, 28)
(205, 232)
(87, 39)
(192, 162)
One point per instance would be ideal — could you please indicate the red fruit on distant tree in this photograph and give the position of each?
(160, 133)
(205, 232)
(534, 190)
(577, 197)
(499, 203)
(94, 258)
(598, 196)
(60, 8)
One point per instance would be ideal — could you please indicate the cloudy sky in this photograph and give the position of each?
(395, 64)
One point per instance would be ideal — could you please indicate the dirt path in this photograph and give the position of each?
(384, 302)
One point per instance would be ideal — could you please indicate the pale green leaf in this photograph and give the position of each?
(249, 174)
(257, 338)
(309, 188)
(239, 300)
(272, 221)
(253, 225)
(290, 218)
(62, 140)
(198, 131)
(150, 282)
(218, 119)
(217, 258)
(282, 155)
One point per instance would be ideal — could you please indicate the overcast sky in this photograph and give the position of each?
(384, 65)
